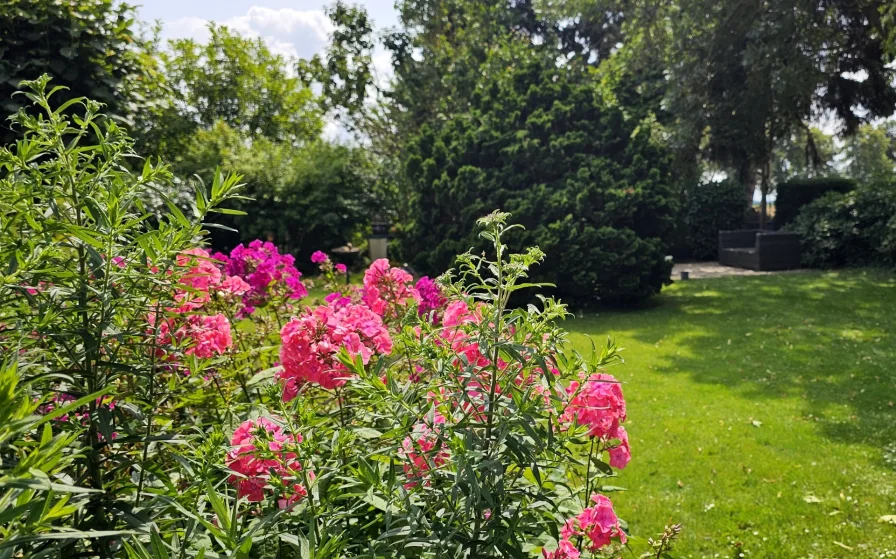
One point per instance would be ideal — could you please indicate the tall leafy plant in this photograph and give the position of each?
(85, 271)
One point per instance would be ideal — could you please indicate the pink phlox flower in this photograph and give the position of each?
(598, 524)
(340, 268)
(235, 285)
(387, 290)
(565, 550)
(596, 402)
(312, 341)
(621, 454)
(319, 257)
(202, 274)
(204, 335)
(338, 300)
(260, 449)
(422, 450)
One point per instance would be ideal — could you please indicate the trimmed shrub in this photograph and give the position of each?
(592, 191)
(853, 229)
(712, 207)
(793, 195)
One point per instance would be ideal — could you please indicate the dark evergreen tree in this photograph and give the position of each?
(592, 189)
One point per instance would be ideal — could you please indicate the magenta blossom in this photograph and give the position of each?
(319, 257)
(431, 297)
(268, 273)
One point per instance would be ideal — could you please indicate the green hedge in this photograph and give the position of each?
(857, 228)
(793, 195)
(712, 207)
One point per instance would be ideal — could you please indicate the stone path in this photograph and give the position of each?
(701, 270)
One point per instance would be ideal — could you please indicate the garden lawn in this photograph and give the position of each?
(761, 413)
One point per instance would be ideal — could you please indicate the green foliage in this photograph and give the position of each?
(83, 271)
(793, 195)
(345, 72)
(592, 190)
(805, 153)
(316, 196)
(857, 228)
(871, 154)
(87, 46)
(742, 77)
(712, 207)
(235, 80)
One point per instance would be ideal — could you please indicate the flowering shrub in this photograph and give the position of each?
(260, 455)
(311, 344)
(402, 419)
(271, 276)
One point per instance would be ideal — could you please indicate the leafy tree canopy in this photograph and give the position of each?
(87, 46)
(238, 81)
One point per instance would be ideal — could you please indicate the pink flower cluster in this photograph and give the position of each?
(387, 290)
(202, 274)
(208, 335)
(312, 341)
(268, 274)
(60, 400)
(203, 335)
(419, 450)
(431, 299)
(597, 525)
(598, 403)
(260, 450)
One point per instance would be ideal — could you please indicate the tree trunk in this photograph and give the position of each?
(746, 175)
(763, 203)
(763, 207)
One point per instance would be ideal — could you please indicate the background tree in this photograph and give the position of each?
(804, 153)
(345, 70)
(87, 46)
(305, 198)
(744, 75)
(238, 81)
(537, 141)
(871, 154)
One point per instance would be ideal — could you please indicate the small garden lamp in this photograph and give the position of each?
(378, 242)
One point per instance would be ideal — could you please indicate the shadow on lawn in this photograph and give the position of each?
(826, 338)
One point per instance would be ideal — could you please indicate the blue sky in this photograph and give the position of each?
(291, 27)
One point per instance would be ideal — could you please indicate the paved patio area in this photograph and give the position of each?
(701, 270)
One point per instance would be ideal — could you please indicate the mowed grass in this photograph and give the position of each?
(762, 413)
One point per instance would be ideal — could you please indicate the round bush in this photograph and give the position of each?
(857, 228)
(712, 207)
(593, 192)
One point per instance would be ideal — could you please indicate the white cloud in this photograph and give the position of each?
(297, 33)
(288, 32)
